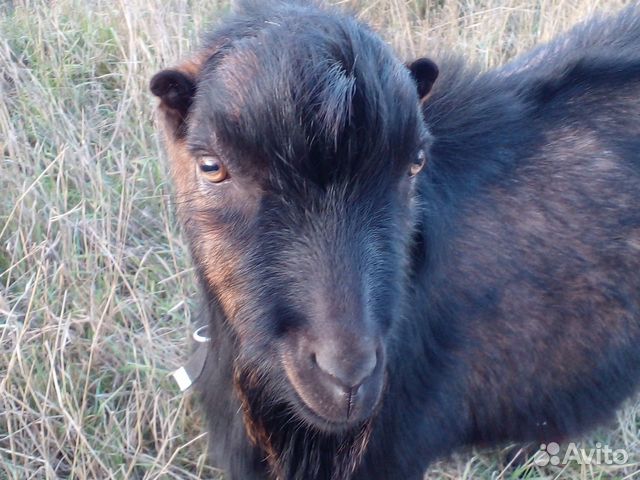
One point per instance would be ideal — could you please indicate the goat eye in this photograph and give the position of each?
(213, 169)
(418, 163)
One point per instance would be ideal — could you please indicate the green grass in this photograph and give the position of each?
(96, 288)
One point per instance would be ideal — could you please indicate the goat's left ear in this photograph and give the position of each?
(176, 90)
(424, 72)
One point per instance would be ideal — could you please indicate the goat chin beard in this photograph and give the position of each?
(293, 449)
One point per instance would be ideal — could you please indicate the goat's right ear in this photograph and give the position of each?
(176, 90)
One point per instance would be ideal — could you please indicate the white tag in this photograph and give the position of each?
(182, 379)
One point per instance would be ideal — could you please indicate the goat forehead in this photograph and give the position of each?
(309, 98)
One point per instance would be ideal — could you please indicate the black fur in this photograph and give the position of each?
(425, 73)
(176, 90)
(503, 281)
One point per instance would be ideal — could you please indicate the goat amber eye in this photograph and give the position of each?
(213, 169)
(418, 163)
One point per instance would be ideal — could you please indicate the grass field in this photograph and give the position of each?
(95, 282)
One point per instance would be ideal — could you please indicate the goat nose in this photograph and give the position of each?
(347, 365)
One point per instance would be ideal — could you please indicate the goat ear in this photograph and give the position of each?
(176, 90)
(424, 72)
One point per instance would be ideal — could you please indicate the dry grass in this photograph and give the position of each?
(95, 283)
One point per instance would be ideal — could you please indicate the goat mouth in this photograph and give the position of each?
(321, 422)
(295, 438)
(314, 405)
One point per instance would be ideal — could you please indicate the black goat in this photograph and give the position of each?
(391, 270)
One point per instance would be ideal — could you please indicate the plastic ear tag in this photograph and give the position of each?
(187, 375)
